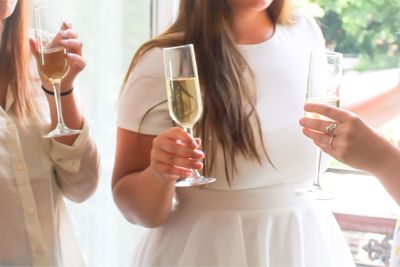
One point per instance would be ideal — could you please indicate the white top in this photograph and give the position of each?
(280, 65)
(35, 175)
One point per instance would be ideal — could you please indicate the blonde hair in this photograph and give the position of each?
(14, 64)
(225, 121)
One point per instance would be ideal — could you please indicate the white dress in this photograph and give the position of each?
(257, 221)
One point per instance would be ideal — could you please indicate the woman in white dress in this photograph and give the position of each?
(37, 173)
(252, 58)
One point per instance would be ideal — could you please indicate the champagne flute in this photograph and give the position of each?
(184, 97)
(324, 79)
(51, 58)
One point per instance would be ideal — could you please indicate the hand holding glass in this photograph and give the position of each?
(324, 79)
(51, 59)
(184, 97)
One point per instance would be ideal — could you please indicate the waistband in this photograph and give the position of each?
(265, 198)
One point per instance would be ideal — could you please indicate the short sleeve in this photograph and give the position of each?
(315, 29)
(308, 27)
(143, 106)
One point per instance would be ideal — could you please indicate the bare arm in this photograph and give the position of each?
(356, 144)
(389, 172)
(146, 168)
(379, 109)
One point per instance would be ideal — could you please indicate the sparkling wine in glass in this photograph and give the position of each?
(51, 58)
(324, 79)
(184, 97)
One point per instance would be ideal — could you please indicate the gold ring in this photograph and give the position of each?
(331, 127)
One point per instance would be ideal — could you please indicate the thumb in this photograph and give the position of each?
(198, 141)
(34, 46)
(66, 25)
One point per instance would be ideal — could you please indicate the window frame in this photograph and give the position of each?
(163, 14)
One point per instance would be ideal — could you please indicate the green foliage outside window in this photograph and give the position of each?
(369, 29)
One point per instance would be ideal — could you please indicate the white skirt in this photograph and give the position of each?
(260, 227)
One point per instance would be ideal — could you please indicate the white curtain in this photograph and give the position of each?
(111, 32)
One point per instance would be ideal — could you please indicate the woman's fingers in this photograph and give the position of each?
(34, 46)
(68, 34)
(178, 135)
(66, 25)
(74, 49)
(329, 111)
(317, 137)
(73, 46)
(316, 124)
(198, 141)
(325, 142)
(76, 62)
(176, 147)
(351, 141)
(175, 152)
(63, 34)
(166, 170)
(175, 160)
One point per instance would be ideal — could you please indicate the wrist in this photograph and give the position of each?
(166, 180)
(64, 93)
(65, 85)
(68, 81)
(389, 172)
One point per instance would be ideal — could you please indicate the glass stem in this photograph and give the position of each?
(57, 98)
(189, 130)
(317, 169)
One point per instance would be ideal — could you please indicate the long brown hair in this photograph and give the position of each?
(225, 121)
(14, 63)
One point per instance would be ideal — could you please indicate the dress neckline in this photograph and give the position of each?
(262, 43)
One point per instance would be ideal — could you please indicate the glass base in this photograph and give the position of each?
(194, 181)
(60, 131)
(315, 192)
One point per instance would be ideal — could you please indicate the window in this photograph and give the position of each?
(111, 32)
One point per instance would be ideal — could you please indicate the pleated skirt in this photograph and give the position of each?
(259, 227)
